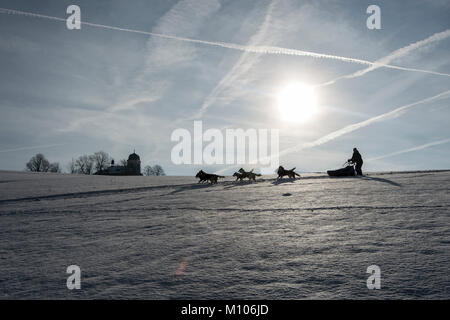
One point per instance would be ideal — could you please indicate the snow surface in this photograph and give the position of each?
(171, 238)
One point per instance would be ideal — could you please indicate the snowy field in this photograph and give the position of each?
(170, 238)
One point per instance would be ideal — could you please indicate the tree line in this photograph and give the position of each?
(85, 164)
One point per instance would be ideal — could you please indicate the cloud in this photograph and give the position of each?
(439, 36)
(252, 49)
(421, 147)
(131, 101)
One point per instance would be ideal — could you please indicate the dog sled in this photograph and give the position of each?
(348, 171)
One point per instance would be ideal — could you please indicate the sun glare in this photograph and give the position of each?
(297, 102)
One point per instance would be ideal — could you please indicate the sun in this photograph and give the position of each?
(297, 102)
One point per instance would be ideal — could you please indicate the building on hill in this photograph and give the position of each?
(133, 167)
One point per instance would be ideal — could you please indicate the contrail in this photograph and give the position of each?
(423, 146)
(353, 127)
(31, 148)
(240, 67)
(254, 49)
(439, 36)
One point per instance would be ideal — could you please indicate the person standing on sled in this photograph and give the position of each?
(357, 159)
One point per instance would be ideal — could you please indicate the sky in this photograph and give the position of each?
(65, 93)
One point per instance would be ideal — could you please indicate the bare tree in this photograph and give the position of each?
(148, 171)
(72, 166)
(123, 162)
(85, 164)
(158, 170)
(54, 167)
(101, 160)
(38, 163)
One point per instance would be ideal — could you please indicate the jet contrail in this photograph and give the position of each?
(31, 148)
(253, 49)
(423, 146)
(353, 127)
(439, 36)
(241, 66)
